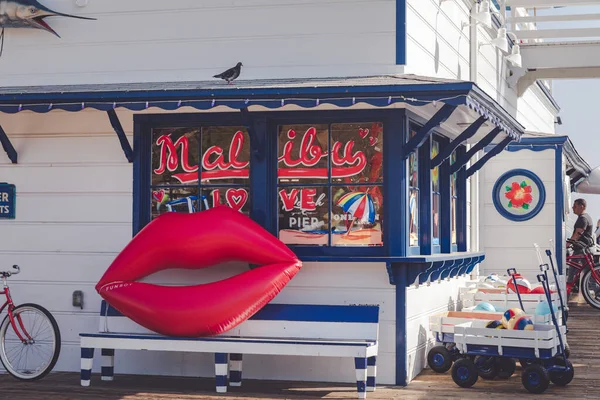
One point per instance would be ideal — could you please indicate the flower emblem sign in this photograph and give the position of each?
(519, 195)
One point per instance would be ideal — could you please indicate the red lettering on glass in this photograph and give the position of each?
(307, 199)
(216, 197)
(309, 153)
(170, 161)
(236, 198)
(288, 199)
(235, 149)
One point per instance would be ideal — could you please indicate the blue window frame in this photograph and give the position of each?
(414, 239)
(435, 198)
(263, 131)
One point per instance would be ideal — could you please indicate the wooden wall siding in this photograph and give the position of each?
(74, 208)
(437, 46)
(178, 40)
(509, 244)
(421, 303)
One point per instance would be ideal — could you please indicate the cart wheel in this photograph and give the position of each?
(439, 359)
(506, 367)
(535, 378)
(562, 378)
(525, 362)
(486, 367)
(464, 373)
(567, 350)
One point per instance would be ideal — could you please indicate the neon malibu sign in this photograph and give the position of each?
(219, 164)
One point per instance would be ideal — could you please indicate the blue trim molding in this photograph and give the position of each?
(503, 186)
(400, 32)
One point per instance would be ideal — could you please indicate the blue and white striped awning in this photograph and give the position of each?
(377, 91)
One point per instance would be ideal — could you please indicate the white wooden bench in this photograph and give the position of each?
(277, 329)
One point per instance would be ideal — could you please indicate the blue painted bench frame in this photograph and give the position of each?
(229, 349)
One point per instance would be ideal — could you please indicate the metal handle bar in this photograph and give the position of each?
(6, 274)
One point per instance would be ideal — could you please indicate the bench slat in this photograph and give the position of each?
(280, 320)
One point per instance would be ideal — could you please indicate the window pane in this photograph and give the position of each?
(183, 200)
(413, 205)
(237, 198)
(303, 153)
(453, 211)
(435, 173)
(357, 152)
(175, 156)
(304, 215)
(435, 201)
(357, 217)
(453, 196)
(225, 155)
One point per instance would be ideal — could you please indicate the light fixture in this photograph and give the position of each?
(515, 56)
(482, 16)
(501, 41)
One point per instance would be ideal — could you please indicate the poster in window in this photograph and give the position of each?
(357, 152)
(175, 199)
(357, 217)
(303, 215)
(225, 155)
(175, 156)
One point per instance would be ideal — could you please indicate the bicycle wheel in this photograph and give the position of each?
(590, 288)
(35, 358)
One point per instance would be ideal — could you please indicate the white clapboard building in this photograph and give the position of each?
(411, 101)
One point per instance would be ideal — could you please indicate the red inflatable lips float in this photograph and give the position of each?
(194, 241)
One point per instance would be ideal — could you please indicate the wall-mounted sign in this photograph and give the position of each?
(519, 195)
(7, 201)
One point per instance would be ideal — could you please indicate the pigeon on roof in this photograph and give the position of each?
(231, 73)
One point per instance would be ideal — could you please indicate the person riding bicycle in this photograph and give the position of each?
(582, 232)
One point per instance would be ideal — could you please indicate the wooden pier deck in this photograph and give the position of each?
(583, 338)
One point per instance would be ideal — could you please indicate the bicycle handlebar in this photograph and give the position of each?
(6, 274)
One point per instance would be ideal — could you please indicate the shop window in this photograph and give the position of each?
(435, 196)
(453, 198)
(194, 169)
(330, 184)
(413, 202)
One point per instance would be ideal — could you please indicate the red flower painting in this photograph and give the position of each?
(519, 195)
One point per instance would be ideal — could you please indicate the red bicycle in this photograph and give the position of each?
(29, 337)
(587, 276)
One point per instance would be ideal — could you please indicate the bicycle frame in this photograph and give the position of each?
(9, 303)
(573, 261)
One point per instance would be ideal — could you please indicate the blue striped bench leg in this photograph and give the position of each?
(87, 361)
(108, 364)
(361, 377)
(235, 370)
(371, 373)
(221, 368)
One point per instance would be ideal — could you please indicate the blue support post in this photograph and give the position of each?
(417, 141)
(447, 151)
(425, 204)
(396, 186)
(461, 204)
(8, 147)
(464, 160)
(260, 177)
(399, 272)
(445, 217)
(493, 152)
(116, 124)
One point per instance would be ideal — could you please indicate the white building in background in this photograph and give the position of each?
(403, 80)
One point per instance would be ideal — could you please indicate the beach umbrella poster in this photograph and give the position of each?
(359, 205)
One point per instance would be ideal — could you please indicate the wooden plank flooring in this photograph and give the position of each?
(583, 338)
